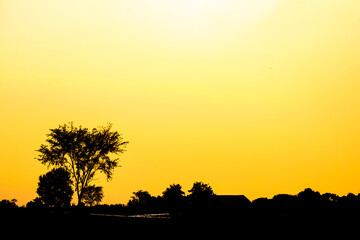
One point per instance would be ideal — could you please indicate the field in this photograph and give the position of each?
(25, 222)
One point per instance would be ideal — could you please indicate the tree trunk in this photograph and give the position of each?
(79, 199)
(79, 194)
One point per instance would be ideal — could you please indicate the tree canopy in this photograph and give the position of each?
(93, 194)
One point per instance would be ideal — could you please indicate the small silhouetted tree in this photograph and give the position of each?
(311, 202)
(309, 195)
(200, 193)
(82, 152)
(54, 188)
(202, 199)
(140, 198)
(93, 194)
(35, 203)
(330, 197)
(140, 201)
(174, 198)
(6, 204)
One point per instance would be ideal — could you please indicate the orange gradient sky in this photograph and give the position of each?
(253, 97)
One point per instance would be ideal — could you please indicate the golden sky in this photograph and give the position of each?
(253, 97)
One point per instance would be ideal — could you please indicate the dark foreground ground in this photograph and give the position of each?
(25, 223)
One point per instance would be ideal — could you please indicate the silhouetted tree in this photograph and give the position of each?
(200, 192)
(202, 200)
(233, 206)
(140, 201)
(174, 198)
(140, 198)
(93, 194)
(284, 204)
(36, 203)
(82, 152)
(330, 197)
(54, 188)
(7, 204)
(309, 195)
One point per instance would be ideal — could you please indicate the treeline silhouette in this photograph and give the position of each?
(200, 211)
(203, 204)
(307, 206)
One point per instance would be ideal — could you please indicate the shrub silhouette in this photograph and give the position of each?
(54, 188)
(8, 204)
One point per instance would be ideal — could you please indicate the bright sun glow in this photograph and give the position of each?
(197, 20)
